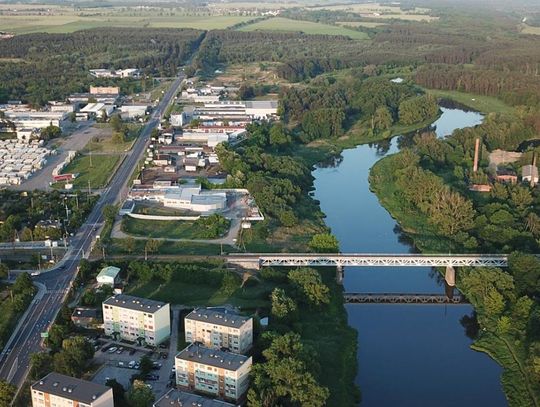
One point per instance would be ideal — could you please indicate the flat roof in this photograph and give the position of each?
(218, 317)
(135, 303)
(262, 104)
(177, 398)
(109, 271)
(71, 388)
(212, 357)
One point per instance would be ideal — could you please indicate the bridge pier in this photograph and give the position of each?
(450, 276)
(340, 274)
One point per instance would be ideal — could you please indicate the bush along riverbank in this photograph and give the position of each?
(425, 188)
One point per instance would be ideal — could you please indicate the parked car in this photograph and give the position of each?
(121, 364)
(132, 364)
(113, 349)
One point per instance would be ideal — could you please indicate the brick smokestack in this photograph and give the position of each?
(476, 153)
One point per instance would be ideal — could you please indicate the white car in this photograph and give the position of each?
(113, 349)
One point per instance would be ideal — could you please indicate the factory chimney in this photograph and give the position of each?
(532, 170)
(476, 153)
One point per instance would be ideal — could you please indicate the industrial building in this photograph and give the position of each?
(133, 112)
(177, 398)
(189, 198)
(529, 173)
(116, 73)
(135, 319)
(92, 110)
(214, 372)
(236, 111)
(219, 328)
(57, 390)
(24, 118)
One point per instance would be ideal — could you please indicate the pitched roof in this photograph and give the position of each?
(218, 317)
(135, 303)
(70, 388)
(212, 357)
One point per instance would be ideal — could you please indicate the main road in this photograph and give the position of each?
(54, 284)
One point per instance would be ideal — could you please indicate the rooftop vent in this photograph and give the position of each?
(64, 388)
(55, 384)
(41, 382)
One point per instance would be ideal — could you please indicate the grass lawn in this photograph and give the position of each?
(483, 104)
(366, 24)
(98, 173)
(529, 29)
(174, 229)
(119, 247)
(179, 292)
(308, 27)
(105, 144)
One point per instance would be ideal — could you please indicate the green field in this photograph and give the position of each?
(204, 228)
(72, 22)
(105, 143)
(308, 27)
(484, 104)
(98, 173)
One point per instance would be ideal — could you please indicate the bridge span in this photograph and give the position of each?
(258, 260)
(398, 298)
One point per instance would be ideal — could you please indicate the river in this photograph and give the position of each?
(408, 355)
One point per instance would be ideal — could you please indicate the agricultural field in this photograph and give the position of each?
(307, 27)
(251, 73)
(366, 24)
(529, 29)
(95, 168)
(378, 11)
(70, 22)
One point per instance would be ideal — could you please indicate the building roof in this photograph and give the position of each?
(109, 271)
(84, 313)
(177, 398)
(261, 104)
(218, 317)
(529, 171)
(71, 388)
(212, 357)
(135, 303)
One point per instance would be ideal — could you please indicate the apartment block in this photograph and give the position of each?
(219, 328)
(135, 319)
(213, 372)
(56, 390)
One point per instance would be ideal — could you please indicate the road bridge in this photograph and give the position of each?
(401, 298)
(258, 260)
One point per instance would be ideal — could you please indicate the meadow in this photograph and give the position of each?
(307, 27)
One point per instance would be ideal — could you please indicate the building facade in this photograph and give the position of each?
(213, 372)
(56, 390)
(217, 328)
(137, 319)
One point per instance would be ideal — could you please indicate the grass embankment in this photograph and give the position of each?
(109, 145)
(119, 247)
(96, 169)
(480, 103)
(505, 350)
(307, 27)
(10, 315)
(203, 228)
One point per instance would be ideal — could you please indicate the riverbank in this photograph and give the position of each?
(501, 345)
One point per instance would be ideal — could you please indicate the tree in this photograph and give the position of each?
(521, 197)
(140, 395)
(526, 271)
(451, 212)
(309, 283)
(324, 243)
(117, 123)
(23, 284)
(4, 271)
(40, 365)
(146, 365)
(129, 244)
(152, 245)
(279, 136)
(109, 212)
(282, 304)
(285, 377)
(50, 132)
(7, 393)
(382, 119)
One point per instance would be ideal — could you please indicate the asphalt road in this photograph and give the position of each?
(15, 358)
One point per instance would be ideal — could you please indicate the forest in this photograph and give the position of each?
(40, 67)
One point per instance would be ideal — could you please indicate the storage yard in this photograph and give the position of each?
(18, 161)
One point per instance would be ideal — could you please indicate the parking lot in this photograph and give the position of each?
(116, 364)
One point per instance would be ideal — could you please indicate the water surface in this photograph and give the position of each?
(408, 355)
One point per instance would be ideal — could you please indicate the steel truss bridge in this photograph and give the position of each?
(386, 298)
(258, 260)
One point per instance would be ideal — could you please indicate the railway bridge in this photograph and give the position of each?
(255, 261)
